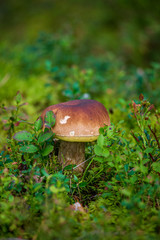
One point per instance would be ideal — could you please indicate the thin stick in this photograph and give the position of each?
(154, 135)
(84, 161)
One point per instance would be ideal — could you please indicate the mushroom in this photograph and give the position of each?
(77, 122)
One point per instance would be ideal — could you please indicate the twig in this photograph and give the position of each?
(84, 161)
(154, 135)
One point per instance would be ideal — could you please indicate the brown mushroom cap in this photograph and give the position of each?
(78, 120)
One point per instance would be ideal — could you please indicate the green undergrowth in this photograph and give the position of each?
(119, 188)
(118, 191)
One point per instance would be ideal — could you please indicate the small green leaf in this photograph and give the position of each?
(133, 179)
(108, 185)
(8, 161)
(126, 192)
(55, 190)
(149, 150)
(47, 150)
(37, 186)
(110, 131)
(1, 164)
(111, 164)
(146, 161)
(101, 130)
(44, 136)
(121, 121)
(18, 98)
(49, 119)
(98, 150)
(144, 169)
(70, 167)
(38, 124)
(99, 159)
(100, 140)
(101, 151)
(23, 136)
(44, 173)
(126, 167)
(75, 178)
(107, 194)
(11, 198)
(28, 149)
(105, 152)
(83, 184)
(156, 166)
(118, 159)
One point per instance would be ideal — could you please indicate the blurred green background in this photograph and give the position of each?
(130, 29)
(55, 51)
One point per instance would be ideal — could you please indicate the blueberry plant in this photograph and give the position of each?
(132, 167)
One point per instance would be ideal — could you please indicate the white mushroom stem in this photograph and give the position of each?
(72, 153)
